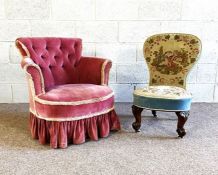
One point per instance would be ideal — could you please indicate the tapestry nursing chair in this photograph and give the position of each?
(68, 93)
(169, 58)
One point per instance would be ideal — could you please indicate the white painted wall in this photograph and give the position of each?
(114, 29)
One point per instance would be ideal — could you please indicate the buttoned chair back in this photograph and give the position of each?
(68, 93)
(56, 57)
(170, 57)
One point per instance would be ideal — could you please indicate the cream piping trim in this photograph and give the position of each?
(103, 72)
(24, 48)
(94, 100)
(40, 72)
(32, 89)
(30, 63)
(72, 118)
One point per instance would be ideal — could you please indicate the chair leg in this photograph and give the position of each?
(182, 118)
(137, 114)
(154, 113)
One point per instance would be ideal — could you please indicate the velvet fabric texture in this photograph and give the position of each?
(70, 101)
(60, 134)
(69, 97)
(56, 57)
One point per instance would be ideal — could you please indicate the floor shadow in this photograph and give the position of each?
(145, 136)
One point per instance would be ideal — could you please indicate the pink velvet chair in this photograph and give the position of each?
(68, 93)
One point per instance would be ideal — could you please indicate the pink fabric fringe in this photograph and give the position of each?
(60, 134)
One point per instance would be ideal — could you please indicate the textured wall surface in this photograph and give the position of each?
(114, 29)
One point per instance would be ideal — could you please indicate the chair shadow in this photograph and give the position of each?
(15, 133)
(126, 121)
(147, 117)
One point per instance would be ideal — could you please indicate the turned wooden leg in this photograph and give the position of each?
(137, 114)
(182, 118)
(154, 113)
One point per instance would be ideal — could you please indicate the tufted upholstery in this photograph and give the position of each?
(68, 93)
(56, 57)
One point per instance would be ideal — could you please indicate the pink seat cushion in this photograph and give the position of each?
(74, 101)
(75, 92)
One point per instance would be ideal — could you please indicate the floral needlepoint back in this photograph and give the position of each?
(170, 57)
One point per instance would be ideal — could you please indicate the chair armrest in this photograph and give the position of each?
(94, 70)
(34, 76)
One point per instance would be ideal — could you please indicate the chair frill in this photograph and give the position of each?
(60, 134)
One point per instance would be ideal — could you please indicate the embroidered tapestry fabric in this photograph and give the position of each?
(169, 92)
(170, 57)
